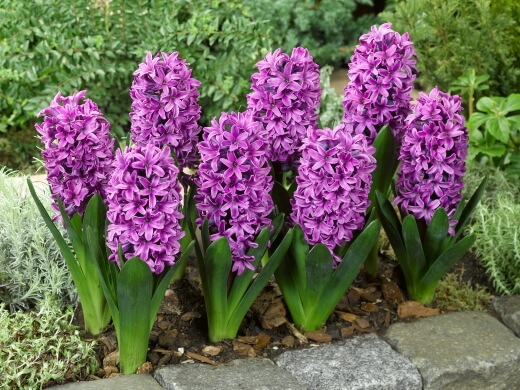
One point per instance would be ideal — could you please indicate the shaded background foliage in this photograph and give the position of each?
(452, 37)
(97, 45)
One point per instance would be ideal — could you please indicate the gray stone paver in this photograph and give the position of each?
(362, 362)
(466, 350)
(125, 382)
(508, 310)
(241, 374)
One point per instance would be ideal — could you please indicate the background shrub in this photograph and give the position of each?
(31, 265)
(328, 28)
(452, 37)
(97, 45)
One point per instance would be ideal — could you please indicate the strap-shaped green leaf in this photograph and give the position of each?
(238, 313)
(162, 286)
(287, 280)
(467, 212)
(436, 235)
(445, 261)
(241, 282)
(341, 278)
(218, 266)
(134, 296)
(387, 163)
(391, 224)
(206, 241)
(70, 259)
(319, 269)
(299, 250)
(414, 250)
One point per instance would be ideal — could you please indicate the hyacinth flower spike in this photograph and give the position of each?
(234, 209)
(165, 112)
(376, 102)
(429, 195)
(78, 155)
(332, 233)
(143, 236)
(285, 98)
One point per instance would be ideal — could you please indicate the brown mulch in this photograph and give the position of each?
(179, 335)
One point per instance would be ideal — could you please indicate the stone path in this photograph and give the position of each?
(464, 350)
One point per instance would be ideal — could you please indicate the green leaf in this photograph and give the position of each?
(218, 266)
(391, 224)
(387, 163)
(486, 104)
(477, 120)
(445, 261)
(134, 296)
(498, 128)
(512, 103)
(436, 235)
(337, 284)
(416, 259)
(237, 315)
(319, 268)
(158, 294)
(242, 281)
(469, 209)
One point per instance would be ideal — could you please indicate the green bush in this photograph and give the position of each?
(327, 28)
(42, 348)
(452, 37)
(97, 45)
(31, 265)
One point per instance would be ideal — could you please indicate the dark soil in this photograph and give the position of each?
(180, 332)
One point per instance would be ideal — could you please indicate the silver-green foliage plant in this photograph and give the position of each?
(30, 262)
(497, 229)
(495, 223)
(42, 348)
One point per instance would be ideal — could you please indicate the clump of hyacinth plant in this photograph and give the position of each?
(78, 155)
(285, 98)
(144, 213)
(165, 110)
(234, 208)
(429, 194)
(377, 99)
(332, 237)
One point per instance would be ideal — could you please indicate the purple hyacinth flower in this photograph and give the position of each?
(334, 179)
(144, 201)
(285, 99)
(381, 72)
(234, 183)
(164, 108)
(78, 151)
(432, 157)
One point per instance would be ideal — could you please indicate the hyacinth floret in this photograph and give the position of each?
(165, 110)
(234, 183)
(285, 98)
(78, 150)
(144, 200)
(334, 179)
(381, 73)
(432, 157)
